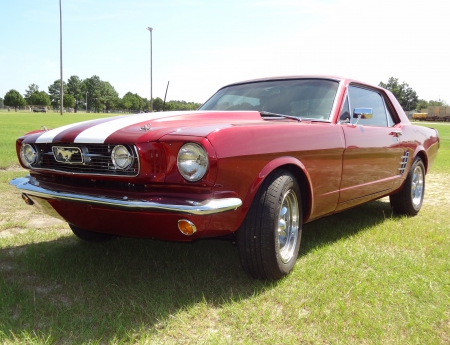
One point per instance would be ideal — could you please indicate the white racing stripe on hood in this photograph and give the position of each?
(47, 137)
(98, 134)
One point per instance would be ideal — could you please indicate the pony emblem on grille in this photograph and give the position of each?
(70, 155)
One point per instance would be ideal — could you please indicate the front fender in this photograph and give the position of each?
(289, 163)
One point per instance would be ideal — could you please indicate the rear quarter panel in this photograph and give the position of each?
(422, 141)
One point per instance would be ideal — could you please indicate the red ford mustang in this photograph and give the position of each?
(254, 163)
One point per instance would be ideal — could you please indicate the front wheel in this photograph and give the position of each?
(408, 201)
(269, 238)
(90, 236)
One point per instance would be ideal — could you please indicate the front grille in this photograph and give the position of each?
(94, 185)
(94, 159)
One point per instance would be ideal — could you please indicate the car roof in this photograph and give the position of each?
(345, 80)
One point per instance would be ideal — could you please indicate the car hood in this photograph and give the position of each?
(131, 129)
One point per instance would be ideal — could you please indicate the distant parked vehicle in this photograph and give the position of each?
(419, 116)
(433, 113)
(438, 113)
(40, 110)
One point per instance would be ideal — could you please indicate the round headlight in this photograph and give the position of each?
(121, 157)
(192, 161)
(28, 155)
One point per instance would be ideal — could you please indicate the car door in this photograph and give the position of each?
(373, 150)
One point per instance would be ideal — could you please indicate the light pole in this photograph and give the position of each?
(94, 102)
(61, 92)
(86, 101)
(151, 86)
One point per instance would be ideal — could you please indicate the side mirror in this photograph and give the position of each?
(362, 113)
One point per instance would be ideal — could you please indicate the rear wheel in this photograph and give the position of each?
(409, 199)
(90, 236)
(269, 238)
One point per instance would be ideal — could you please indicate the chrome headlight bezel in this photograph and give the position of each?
(192, 162)
(121, 157)
(28, 155)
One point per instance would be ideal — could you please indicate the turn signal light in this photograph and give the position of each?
(186, 227)
(27, 200)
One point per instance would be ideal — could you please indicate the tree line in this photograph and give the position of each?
(91, 94)
(100, 96)
(407, 97)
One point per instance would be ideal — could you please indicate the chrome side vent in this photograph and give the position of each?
(404, 163)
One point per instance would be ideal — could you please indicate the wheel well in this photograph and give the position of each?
(304, 187)
(423, 156)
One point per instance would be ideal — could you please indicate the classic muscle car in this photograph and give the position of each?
(255, 162)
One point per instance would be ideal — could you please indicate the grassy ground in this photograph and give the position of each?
(363, 276)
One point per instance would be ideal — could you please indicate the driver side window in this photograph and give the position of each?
(359, 97)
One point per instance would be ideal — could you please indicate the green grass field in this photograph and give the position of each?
(363, 276)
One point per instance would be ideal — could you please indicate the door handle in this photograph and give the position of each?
(396, 133)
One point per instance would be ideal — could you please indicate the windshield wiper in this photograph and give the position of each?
(267, 113)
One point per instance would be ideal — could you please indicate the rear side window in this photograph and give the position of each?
(365, 98)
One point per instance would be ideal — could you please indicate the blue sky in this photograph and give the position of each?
(201, 45)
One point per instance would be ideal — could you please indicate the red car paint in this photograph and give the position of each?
(341, 165)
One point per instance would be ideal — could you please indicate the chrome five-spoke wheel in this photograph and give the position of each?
(408, 200)
(417, 186)
(269, 238)
(288, 223)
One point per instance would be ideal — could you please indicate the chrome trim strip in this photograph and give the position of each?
(212, 206)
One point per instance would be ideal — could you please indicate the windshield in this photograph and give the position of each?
(303, 98)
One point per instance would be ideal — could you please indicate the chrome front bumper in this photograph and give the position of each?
(30, 186)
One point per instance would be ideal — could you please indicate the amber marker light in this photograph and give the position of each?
(27, 200)
(186, 227)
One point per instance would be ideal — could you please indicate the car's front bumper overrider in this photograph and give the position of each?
(29, 186)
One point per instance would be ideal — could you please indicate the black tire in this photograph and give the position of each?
(408, 201)
(269, 238)
(90, 236)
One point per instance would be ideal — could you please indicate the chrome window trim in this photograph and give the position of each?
(333, 108)
(389, 112)
(390, 122)
(338, 120)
